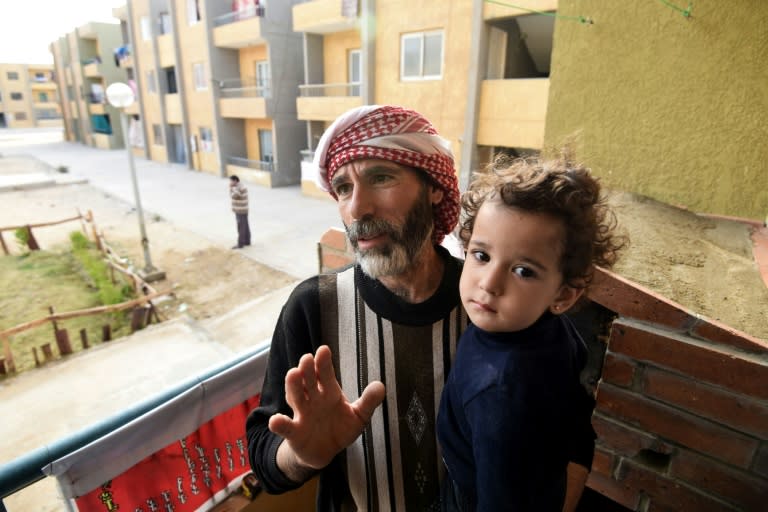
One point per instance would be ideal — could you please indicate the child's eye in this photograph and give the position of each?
(524, 272)
(481, 256)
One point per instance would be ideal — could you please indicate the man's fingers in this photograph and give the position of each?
(371, 398)
(294, 388)
(281, 425)
(324, 367)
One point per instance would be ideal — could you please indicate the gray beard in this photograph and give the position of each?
(406, 240)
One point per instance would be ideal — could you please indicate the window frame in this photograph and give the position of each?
(12, 75)
(421, 37)
(17, 96)
(206, 143)
(199, 79)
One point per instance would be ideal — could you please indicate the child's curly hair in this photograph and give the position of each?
(559, 188)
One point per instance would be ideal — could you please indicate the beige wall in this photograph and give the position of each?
(198, 104)
(248, 58)
(442, 101)
(151, 101)
(18, 113)
(335, 48)
(664, 106)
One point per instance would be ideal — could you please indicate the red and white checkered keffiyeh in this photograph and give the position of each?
(396, 134)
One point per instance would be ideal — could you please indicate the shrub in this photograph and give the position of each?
(22, 237)
(98, 270)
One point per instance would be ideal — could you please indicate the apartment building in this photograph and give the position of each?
(465, 65)
(28, 96)
(85, 67)
(208, 99)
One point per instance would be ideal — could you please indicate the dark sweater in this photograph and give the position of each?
(511, 405)
(395, 464)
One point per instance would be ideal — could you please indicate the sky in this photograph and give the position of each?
(28, 27)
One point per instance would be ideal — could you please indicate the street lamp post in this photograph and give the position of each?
(121, 96)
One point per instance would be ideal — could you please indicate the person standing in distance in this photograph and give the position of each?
(238, 192)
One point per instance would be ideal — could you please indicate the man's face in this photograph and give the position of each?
(387, 210)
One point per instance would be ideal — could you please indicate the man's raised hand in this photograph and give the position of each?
(324, 422)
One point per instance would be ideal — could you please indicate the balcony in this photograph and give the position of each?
(325, 16)
(96, 108)
(239, 29)
(496, 11)
(102, 140)
(243, 98)
(252, 171)
(513, 112)
(133, 108)
(326, 102)
(172, 108)
(91, 69)
(165, 51)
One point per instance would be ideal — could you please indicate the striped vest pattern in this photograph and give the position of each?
(395, 465)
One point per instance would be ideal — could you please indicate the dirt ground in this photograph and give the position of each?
(702, 263)
(207, 279)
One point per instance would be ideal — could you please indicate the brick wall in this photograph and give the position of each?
(682, 402)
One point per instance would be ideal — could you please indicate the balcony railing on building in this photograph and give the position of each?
(252, 11)
(327, 90)
(259, 165)
(244, 88)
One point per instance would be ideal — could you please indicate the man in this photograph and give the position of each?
(391, 323)
(239, 194)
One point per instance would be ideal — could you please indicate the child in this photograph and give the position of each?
(513, 404)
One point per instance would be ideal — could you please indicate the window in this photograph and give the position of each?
(12, 75)
(165, 23)
(16, 96)
(157, 135)
(353, 72)
(206, 140)
(20, 116)
(193, 11)
(170, 78)
(101, 124)
(40, 77)
(262, 78)
(43, 97)
(198, 75)
(421, 56)
(151, 81)
(146, 29)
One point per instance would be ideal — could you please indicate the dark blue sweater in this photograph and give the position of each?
(512, 415)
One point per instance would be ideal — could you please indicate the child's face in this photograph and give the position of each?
(512, 270)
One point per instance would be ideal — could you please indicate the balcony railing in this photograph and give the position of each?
(244, 14)
(321, 90)
(259, 165)
(244, 88)
(307, 155)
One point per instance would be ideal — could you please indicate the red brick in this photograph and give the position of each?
(624, 439)
(740, 412)
(618, 370)
(742, 373)
(332, 261)
(614, 490)
(335, 238)
(738, 487)
(718, 332)
(675, 425)
(634, 301)
(667, 494)
(603, 461)
(761, 461)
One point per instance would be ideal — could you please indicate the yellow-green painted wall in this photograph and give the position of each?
(664, 106)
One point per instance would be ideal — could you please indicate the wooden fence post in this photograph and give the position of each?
(47, 352)
(106, 332)
(62, 341)
(84, 338)
(96, 238)
(31, 242)
(9, 364)
(2, 242)
(34, 354)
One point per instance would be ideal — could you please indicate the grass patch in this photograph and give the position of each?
(68, 280)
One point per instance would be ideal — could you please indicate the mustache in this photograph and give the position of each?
(369, 228)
